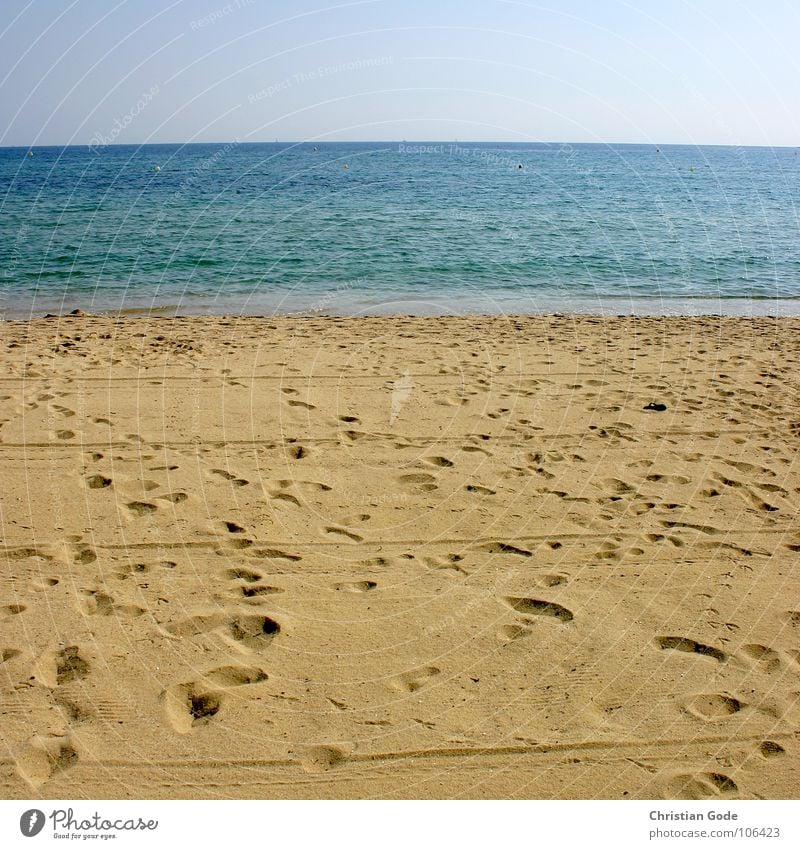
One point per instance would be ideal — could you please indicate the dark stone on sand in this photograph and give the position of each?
(658, 408)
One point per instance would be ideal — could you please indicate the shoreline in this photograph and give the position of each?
(790, 308)
(339, 304)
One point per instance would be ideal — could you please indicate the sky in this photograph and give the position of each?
(158, 71)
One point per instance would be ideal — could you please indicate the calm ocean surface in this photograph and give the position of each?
(400, 227)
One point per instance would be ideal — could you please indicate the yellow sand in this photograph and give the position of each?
(400, 557)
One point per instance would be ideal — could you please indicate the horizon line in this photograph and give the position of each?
(397, 142)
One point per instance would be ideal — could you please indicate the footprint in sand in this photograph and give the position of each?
(771, 749)
(174, 497)
(98, 482)
(420, 478)
(55, 667)
(322, 758)
(355, 587)
(508, 633)
(141, 508)
(195, 626)
(187, 706)
(235, 676)
(504, 548)
(285, 497)
(551, 580)
(767, 660)
(415, 679)
(343, 532)
(99, 603)
(228, 476)
(7, 654)
(702, 785)
(74, 713)
(713, 706)
(354, 435)
(479, 490)
(85, 556)
(44, 756)
(276, 554)
(241, 574)
(439, 462)
(446, 561)
(190, 705)
(253, 632)
(683, 644)
(537, 607)
(248, 584)
(253, 593)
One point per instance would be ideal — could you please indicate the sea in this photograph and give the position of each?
(404, 227)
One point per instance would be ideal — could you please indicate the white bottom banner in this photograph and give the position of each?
(387, 823)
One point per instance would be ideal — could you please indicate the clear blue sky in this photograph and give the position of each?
(133, 71)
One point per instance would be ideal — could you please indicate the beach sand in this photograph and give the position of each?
(530, 557)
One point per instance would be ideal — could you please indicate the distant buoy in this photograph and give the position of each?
(345, 166)
(30, 153)
(158, 167)
(315, 148)
(519, 167)
(691, 169)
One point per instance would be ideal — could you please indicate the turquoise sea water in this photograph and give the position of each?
(400, 227)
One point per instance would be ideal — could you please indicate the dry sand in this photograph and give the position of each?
(400, 557)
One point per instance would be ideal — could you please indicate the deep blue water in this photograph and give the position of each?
(400, 227)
